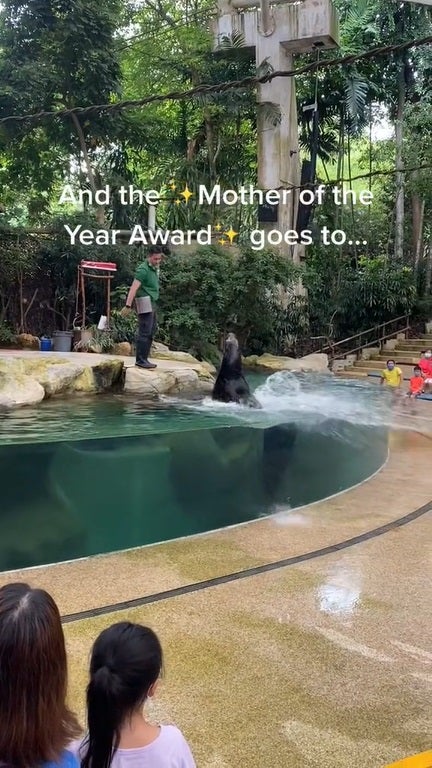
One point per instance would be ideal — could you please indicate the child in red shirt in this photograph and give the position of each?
(425, 365)
(416, 385)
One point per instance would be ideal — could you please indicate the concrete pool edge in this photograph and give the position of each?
(271, 517)
(249, 572)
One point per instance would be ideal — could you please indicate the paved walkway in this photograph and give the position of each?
(321, 662)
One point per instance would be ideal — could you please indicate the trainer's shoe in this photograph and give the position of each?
(148, 366)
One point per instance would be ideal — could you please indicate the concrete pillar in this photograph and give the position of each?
(277, 32)
(152, 217)
(278, 152)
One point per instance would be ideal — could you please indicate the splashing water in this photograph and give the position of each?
(319, 398)
(317, 401)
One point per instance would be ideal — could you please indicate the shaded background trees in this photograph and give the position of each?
(67, 54)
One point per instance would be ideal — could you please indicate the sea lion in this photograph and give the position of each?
(230, 385)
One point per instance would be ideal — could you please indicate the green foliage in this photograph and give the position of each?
(53, 56)
(257, 279)
(210, 292)
(45, 268)
(195, 298)
(100, 342)
(79, 53)
(123, 328)
(345, 298)
(383, 288)
(422, 309)
(7, 336)
(59, 260)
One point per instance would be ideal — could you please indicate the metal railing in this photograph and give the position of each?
(337, 350)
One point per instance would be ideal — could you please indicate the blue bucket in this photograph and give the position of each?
(45, 344)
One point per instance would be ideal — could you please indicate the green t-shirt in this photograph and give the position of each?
(149, 279)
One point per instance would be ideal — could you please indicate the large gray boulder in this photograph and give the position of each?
(17, 390)
(151, 384)
(317, 363)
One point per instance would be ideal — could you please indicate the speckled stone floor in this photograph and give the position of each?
(325, 663)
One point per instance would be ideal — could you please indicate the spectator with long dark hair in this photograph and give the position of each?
(125, 667)
(35, 723)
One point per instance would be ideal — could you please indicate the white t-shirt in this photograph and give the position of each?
(169, 750)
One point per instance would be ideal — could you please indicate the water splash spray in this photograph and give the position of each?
(317, 401)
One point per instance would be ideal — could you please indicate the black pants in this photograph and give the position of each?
(146, 332)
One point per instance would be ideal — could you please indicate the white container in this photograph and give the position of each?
(102, 324)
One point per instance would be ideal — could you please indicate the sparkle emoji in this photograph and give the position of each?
(172, 185)
(231, 234)
(218, 227)
(222, 241)
(186, 194)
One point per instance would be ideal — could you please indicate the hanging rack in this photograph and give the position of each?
(90, 269)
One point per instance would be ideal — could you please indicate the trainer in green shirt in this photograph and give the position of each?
(145, 291)
(147, 276)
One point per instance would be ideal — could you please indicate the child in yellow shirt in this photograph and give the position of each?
(391, 375)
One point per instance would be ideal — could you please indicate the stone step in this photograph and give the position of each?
(407, 354)
(387, 351)
(403, 357)
(378, 365)
(412, 344)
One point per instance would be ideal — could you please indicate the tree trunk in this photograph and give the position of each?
(100, 210)
(428, 279)
(340, 165)
(418, 206)
(21, 301)
(352, 201)
(4, 302)
(29, 306)
(400, 176)
(370, 173)
(213, 149)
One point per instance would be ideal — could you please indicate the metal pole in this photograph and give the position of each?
(83, 297)
(108, 300)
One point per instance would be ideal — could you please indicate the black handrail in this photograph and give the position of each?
(378, 338)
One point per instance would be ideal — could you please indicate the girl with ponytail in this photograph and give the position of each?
(125, 666)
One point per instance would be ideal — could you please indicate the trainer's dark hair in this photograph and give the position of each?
(390, 361)
(126, 661)
(162, 249)
(417, 368)
(35, 723)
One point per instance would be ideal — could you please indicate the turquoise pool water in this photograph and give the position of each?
(89, 476)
